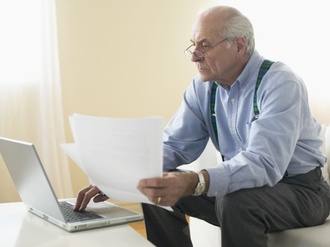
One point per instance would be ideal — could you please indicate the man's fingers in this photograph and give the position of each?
(100, 198)
(165, 191)
(84, 197)
(80, 197)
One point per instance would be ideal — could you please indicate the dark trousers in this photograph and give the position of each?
(245, 216)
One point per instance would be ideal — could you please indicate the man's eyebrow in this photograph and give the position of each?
(199, 41)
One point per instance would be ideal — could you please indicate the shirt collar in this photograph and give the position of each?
(251, 66)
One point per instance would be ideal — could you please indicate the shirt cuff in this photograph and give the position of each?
(219, 181)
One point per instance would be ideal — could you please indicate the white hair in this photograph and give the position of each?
(233, 25)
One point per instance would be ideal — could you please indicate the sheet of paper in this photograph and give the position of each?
(116, 153)
(71, 150)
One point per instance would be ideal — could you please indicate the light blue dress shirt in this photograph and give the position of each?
(256, 152)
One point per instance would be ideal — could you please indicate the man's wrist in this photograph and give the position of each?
(207, 180)
(202, 184)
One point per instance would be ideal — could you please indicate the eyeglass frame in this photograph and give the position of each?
(190, 53)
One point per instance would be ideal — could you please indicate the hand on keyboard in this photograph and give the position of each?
(86, 194)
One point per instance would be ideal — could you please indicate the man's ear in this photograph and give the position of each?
(240, 45)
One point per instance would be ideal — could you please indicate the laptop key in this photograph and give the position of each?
(73, 216)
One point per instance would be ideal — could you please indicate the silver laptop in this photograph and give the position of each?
(36, 192)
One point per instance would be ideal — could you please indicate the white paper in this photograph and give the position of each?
(71, 150)
(116, 153)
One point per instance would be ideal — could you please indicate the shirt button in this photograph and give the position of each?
(232, 100)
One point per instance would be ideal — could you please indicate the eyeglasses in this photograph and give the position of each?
(200, 54)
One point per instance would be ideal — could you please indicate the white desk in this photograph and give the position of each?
(19, 228)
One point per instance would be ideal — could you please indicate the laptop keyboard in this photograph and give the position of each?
(73, 216)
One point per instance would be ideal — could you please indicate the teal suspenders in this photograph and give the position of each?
(212, 105)
(262, 71)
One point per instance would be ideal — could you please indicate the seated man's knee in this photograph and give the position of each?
(234, 204)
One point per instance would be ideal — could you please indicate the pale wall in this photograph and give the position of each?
(124, 58)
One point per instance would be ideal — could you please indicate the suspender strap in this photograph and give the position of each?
(212, 105)
(262, 71)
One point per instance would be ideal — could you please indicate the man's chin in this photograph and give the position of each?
(205, 78)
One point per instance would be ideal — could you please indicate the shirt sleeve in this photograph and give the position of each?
(186, 135)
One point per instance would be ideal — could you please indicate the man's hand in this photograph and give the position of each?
(86, 194)
(167, 190)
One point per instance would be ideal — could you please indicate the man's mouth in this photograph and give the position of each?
(202, 69)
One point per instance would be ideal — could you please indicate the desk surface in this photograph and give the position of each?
(18, 228)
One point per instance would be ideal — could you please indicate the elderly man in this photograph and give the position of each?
(256, 113)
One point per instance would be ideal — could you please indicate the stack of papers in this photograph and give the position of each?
(116, 153)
